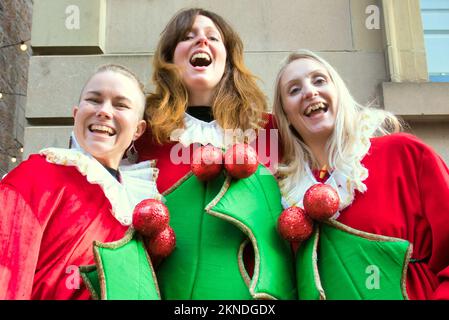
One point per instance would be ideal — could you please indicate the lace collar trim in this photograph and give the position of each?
(138, 180)
(345, 180)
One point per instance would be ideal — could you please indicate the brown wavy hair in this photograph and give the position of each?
(238, 102)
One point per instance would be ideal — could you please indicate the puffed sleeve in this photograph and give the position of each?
(20, 238)
(434, 189)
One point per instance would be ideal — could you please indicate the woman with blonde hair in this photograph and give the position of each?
(66, 210)
(390, 236)
(227, 246)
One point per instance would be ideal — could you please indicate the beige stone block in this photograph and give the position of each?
(435, 134)
(425, 101)
(404, 41)
(264, 25)
(362, 72)
(366, 21)
(413, 66)
(39, 137)
(68, 26)
(55, 82)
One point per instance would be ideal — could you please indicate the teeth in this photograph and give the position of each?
(200, 59)
(200, 55)
(97, 127)
(314, 107)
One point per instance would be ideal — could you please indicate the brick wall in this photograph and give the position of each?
(15, 26)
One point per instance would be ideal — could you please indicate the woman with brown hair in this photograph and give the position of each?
(225, 227)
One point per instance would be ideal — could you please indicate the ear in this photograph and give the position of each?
(74, 111)
(141, 126)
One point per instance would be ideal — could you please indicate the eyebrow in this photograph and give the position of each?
(98, 93)
(208, 29)
(321, 71)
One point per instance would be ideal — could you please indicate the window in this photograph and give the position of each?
(435, 17)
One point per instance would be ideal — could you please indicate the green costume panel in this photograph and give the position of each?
(339, 262)
(207, 262)
(122, 271)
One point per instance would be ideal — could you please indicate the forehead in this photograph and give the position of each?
(112, 82)
(302, 68)
(203, 22)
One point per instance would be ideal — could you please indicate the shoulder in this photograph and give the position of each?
(400, 141)
(36, 172)
(28, 168)
(402, 146)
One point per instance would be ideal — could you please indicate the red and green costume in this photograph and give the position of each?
(214, 221)
(398, 230)
(61, 210)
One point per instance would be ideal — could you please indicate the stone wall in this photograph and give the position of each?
(15, 26)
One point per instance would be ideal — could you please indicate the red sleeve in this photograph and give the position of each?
(434, 190)
(267, 143)
(20, 237)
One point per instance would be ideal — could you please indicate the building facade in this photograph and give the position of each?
(15, 28)
(378, 46)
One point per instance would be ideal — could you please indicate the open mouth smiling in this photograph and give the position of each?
(316, 108)
(200, 59)
(101, 129)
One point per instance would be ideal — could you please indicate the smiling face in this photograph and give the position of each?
(201, 57)
(109, 116)
(309, 99)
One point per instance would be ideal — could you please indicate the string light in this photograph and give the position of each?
(22, 45)
(11, 152)
(2, 93)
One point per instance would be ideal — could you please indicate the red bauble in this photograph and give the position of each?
(294, 224)
(162, 244)
(207, 162)
(241, 161)
(321, 201)
(150, 216)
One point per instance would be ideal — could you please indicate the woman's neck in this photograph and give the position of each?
(202, 98)
(320, 154)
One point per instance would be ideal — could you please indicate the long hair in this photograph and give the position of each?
(352, 125)
(237, 102)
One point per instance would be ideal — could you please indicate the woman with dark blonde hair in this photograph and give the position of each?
(66, 210)
(227, 246)
(390, 236)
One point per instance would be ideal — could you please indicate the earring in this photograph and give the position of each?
(131, 153)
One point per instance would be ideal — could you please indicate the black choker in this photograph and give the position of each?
(202, 113)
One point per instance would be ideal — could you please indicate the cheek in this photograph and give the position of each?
(290, 106)
(180, 53)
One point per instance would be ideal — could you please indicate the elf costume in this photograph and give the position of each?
(61, 209)
(390, 239)
(217, 222)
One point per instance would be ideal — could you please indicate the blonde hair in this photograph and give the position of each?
(352, 121)
(237, 103)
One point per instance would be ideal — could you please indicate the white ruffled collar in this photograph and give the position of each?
(344, 180)
(340, 182)
(138, 180)
(198, 131)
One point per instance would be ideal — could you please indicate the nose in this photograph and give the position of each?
(202, 40)
(309, 91)
(105, 110)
